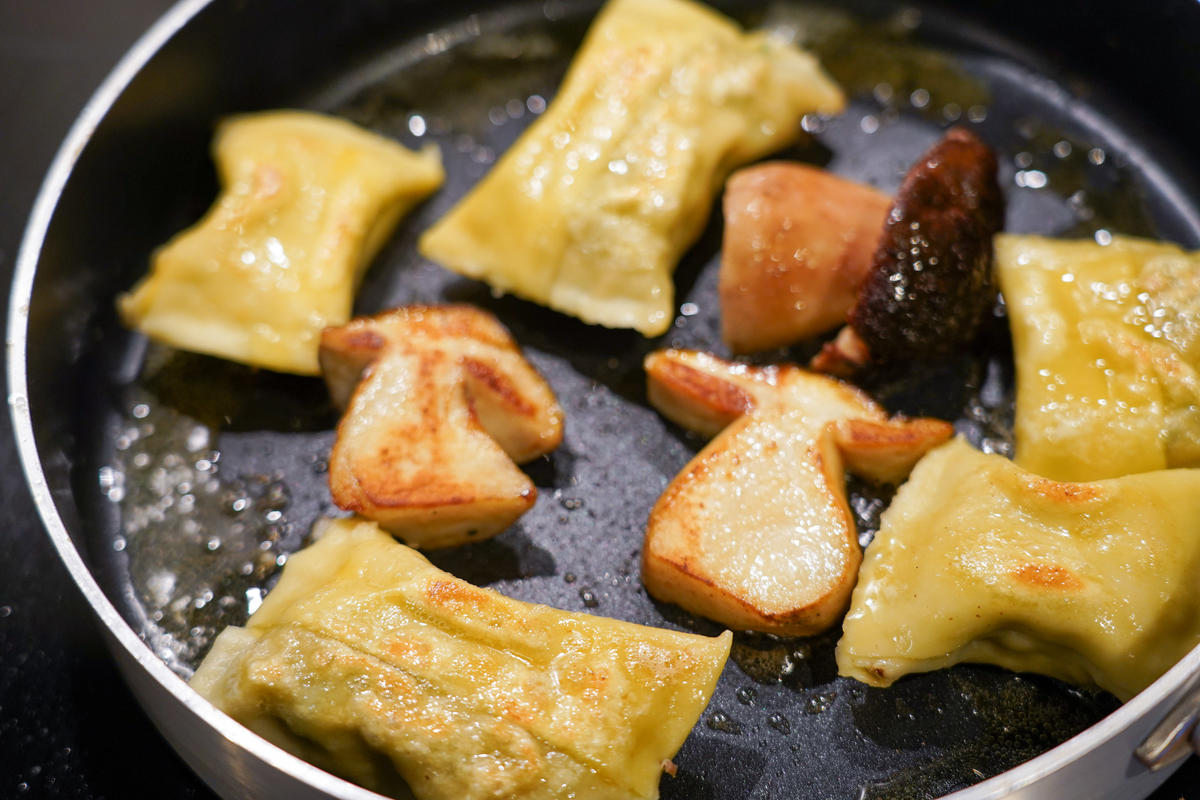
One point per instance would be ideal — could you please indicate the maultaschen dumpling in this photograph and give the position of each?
(978, 560)
(370, 662)
(589, 211)
(755, 531)
(306, 201)
(1106, 341)
(440, 403)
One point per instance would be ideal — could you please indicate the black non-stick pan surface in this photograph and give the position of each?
(193, 479)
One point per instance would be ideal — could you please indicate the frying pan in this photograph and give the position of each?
(115, 435)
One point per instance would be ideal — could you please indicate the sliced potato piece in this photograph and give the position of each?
(755, 532)
(798, 244)
(446, 404)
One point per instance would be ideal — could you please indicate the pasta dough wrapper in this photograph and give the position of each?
(306, 201)
(1107, 347)
(589, 211)
(370, 662)
(978, 560)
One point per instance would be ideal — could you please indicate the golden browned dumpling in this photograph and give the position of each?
(592, 207)
(306, 201)
(1107, 347)
(755, 531)
(445, 405)
(369, 662)
(978, 560)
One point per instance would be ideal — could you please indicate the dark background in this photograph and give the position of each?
(68, 726)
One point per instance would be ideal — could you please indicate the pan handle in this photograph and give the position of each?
(1176, 736)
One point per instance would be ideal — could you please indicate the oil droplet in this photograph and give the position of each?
(589, 598)
(254, 598)
(570, 577)
(746, 695)
(1031, 179)
(819, 703)
(720, 721)
(780, 723)
(811, 123)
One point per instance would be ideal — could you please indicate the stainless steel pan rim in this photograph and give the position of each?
(122, 636)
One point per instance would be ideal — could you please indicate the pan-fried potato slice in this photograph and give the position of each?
(798, 244)
(755, 532)
(446, 404)
(306, 201)
(1107, 346)
(589, 211)
(370, 662)
(978, 560)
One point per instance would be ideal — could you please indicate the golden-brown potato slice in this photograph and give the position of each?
(755, 532)
(446, 405)
(798, 243)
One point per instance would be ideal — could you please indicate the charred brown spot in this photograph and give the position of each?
(487, 376)
(455, 596)
(363, 339)
(862, 434)
(720, 395)
(930, 281)
(1048, 576)
(1064, 492)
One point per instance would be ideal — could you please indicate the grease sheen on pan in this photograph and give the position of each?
(370, 662)
(589, 211)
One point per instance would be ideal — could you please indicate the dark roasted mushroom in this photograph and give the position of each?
(930, 281)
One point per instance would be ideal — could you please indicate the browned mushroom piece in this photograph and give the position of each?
(798, 243)
(440, 403)
(930, 282)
